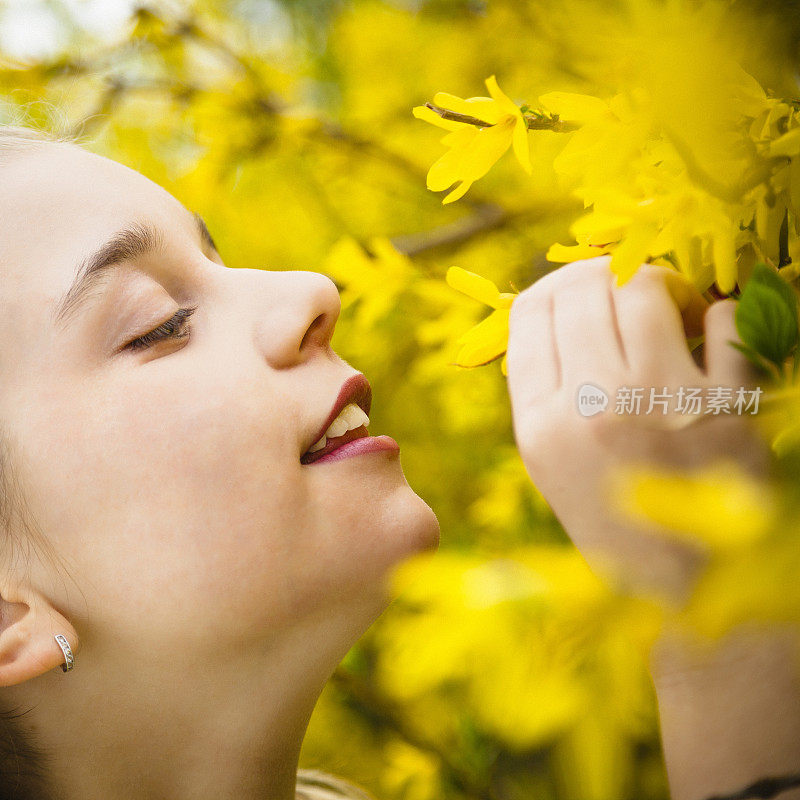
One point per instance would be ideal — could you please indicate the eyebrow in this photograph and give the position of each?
(135, 241)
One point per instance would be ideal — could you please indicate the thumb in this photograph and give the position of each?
(725, 364)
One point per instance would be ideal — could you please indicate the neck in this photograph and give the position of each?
(132, 725)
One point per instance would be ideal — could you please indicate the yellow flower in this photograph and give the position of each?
(487, 340)
(720, 506)
(577, 252)
(473, 149)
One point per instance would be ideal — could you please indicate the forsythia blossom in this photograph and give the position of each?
(691, 165)
(474, 150)
(488, 339)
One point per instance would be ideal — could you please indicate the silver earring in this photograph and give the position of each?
(65, 649)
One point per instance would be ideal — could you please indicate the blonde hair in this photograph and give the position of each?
(312, 784)
(17, 137)
(23, 127)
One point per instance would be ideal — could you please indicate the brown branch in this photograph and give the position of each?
(486, 217)
(544, 123)
(454, 116)
(534, 122)
(269, 104)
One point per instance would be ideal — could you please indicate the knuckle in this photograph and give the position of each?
(597, 264)
(642, 307)
(567, 276)
(648, 274)
(534, 297)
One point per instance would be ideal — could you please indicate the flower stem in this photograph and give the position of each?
(534, 122)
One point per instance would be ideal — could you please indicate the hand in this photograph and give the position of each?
(575, 326)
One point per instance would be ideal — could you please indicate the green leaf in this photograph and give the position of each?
(766, 315)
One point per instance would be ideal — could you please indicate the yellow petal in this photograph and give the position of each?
(502, 100)
(506, 299)
(786, 145)
(481, 107)
(599, 228)
(473, 155)
(630, 254)
(473, 285)
(521, 147)
(457, 193)
(720, 505)
(725, 257)
(461, 138)
(487, 147)
(450, 167)
(484, 342)
(504, 365)
(565, 254)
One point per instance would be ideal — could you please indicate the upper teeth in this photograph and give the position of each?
(350, 417)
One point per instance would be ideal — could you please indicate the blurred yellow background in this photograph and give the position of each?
(505, 670)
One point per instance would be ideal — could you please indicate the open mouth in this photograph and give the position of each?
(332, 443)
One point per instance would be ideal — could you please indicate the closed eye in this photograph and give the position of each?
(173, 328)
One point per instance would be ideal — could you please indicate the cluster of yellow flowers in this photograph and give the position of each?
(709, 200)
(689, 163)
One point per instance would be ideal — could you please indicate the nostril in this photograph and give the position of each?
(313, 328)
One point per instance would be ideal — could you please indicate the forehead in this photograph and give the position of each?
(58, 202)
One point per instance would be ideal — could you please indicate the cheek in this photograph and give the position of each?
(191, 518)
(191, 503)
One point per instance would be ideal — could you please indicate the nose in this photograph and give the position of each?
(296, 316)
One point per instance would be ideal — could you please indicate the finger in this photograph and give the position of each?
(651, 324)
(726, 365)
(534, 368)
(587, 335)
(691, 303)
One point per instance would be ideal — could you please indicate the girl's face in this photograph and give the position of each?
(169, 477)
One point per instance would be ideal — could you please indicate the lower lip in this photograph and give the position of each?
(366, 444)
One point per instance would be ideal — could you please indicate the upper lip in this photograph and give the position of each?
(356, 389)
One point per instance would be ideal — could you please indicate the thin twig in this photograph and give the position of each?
(454, 116)
(485, 218)
(533, 122)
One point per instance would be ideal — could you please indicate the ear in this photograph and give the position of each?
(28, 626)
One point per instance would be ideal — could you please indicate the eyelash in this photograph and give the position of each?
(173, 328)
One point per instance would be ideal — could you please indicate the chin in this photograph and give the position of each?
(405, 526)
(381, 517)
(412, 530)
(415, 524)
